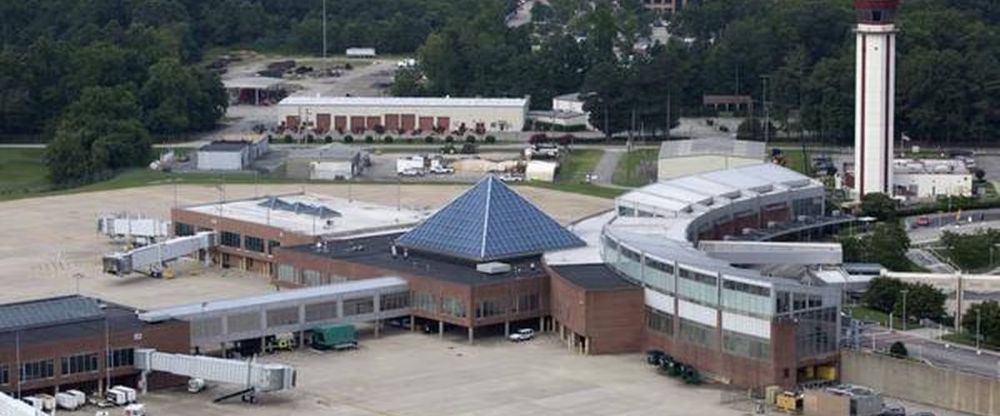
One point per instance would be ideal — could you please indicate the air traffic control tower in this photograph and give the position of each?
(875, 79)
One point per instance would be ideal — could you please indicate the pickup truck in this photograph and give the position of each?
(522, 334)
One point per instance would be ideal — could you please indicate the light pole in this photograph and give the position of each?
(979, 316)
(904, 291)
(78, 276)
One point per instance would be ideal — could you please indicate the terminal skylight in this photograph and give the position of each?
(279, 204)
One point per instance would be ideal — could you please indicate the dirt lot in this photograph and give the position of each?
(46, 241)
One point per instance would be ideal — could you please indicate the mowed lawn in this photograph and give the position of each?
(22, 171)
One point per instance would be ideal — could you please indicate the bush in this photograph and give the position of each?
(348, 139)
(328, 139)
(369, 139)
(449, 139)
(387, 139)
(270, 138)
(491, 139)
(429, 139)
(470, 139)
(898, 350)
(288, 138)
(409, 140)
(310, 138)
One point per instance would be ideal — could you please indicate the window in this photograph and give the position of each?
(424, 301)
(659, 321)
(526, 303)
(229, 239)
(271, 245)
(181, 229)
(453, 307)
(254, 244)
(659, 266)
(359, 306)
(4, 375)
(124, 357)
(696, 333)
(490, 307)
(243, 322)
(207, 327)
(698, 277)
(81, 363)
(394, 301)
(311, 278)
(282, 316)
(746, 288)
(783, 302)
(37, 370)
(746, 345)
(287, 273)
(321, 311)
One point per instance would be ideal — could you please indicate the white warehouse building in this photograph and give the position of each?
(359, 114)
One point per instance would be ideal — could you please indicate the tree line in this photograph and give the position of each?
(948, 85)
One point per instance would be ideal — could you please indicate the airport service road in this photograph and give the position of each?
(936, 353)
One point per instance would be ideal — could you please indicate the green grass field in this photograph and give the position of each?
(577, 164)
(867, 314)
(636, 168)
(22, 171)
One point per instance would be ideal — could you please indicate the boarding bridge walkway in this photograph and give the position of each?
(139, 229)
(216, 323)
(758, 252)
(152, 259)
(253, 377)
(10, 406)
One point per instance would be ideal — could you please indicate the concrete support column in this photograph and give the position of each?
(413, 324)
(506, 329)
(378, 323)
(440, 329)
(472, 335)
(586, 345)
(302, 338)
(541, 324)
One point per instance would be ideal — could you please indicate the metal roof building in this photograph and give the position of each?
(489, 222)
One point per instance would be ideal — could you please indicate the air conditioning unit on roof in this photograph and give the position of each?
(494, 267)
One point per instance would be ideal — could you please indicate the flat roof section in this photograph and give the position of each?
(376, 251)
(298, 296)
(253, 83)
(593, 277)
(223, 146)
(404, 102)
(355, 217)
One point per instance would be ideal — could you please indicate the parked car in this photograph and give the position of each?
(511, 178)
(441, 170)
(522, 334)
(923, 221)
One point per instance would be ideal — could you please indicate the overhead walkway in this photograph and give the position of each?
(10, 406)
(759, 252)
(218, 322)
(253, 377)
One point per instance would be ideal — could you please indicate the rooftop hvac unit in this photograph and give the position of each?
(493, 268)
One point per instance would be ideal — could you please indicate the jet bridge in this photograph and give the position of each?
(10, 406)
(152, 259)
(252, 376)
(137, 229)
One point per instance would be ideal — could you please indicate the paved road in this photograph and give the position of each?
(921, 346)
(605, 169)
(929, 261)
(931, 234)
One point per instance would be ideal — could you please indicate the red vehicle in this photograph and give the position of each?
(923, 221)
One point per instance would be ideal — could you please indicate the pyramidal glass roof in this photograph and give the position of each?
(489, 222)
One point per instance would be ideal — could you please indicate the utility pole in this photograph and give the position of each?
(324, 29)
(767, 110)
(979, 317)
(668, 114)
(904, 291)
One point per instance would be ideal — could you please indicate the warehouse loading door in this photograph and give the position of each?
(409, 122)
(357, 124)
(392, 121)
(374, 121)
(340, 122)
(292, 122)
(444, 123)
(426, 123)
(323, 122)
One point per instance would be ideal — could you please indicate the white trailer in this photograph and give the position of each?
(152, 259)
(254, 377)
(409, 164)
(10, 406)
(70, 400)
(137, 229)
